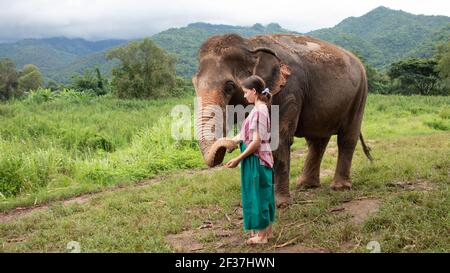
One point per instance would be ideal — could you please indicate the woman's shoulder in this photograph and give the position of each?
(262, 108)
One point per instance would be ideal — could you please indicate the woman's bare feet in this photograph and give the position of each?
(259, 238)
(269, 232)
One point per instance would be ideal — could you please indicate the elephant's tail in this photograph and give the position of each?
(365, 147)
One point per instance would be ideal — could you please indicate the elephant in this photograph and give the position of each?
(320, 89)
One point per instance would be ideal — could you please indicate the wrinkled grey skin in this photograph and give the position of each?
(320, 88)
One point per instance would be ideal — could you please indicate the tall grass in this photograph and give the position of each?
(48, 143)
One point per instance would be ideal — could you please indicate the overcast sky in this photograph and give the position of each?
(100, 19)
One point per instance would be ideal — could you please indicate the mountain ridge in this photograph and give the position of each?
(380, 36)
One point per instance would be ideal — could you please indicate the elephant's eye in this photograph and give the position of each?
(229, 87)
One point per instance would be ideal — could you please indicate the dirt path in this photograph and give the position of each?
(84, 198)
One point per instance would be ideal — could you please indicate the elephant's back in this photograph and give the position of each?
(335, 78)
(319, 58)
(314, 51)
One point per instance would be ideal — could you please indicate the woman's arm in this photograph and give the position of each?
(252, 147)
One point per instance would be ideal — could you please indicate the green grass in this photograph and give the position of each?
(60, 147)
(138, 219)
(395, 115)
(52, 148)
(406, 143)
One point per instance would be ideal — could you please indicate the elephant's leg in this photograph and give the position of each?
(310, 177)
(281, 167)
(346, 146)
(289, 114)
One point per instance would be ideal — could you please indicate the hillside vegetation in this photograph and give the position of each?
(382, 36)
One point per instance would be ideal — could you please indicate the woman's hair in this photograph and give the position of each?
(258, 83)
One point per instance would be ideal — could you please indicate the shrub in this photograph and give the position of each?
(438, 124)
(39, 96)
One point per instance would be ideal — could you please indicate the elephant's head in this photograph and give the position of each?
(224, 62)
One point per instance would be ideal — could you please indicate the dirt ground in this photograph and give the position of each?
(226, 234)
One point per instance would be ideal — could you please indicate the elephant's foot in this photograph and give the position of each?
(307, 183)
(341, 184)
(283, 200)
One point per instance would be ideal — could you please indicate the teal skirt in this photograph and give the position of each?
(258, 193)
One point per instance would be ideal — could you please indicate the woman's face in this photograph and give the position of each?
(250, 94)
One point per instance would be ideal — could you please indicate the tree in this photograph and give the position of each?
(443, 65)
(415, 75)
(91, 80)
(377, 81)
(52, 85)
(8, 79)
(100, 80)
(30, 78)
(146, 71)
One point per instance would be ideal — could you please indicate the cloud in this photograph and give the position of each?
(99, 19)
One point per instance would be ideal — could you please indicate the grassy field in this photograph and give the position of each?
(61, 148)
(77, 144)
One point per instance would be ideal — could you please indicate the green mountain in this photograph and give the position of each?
(184, 42)
(383, 35)
(426, 49)
(59, 58)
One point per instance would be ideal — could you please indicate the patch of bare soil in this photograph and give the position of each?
(78, 200)
(325, 172)
(299, 248)
(22, 211)
(195, 240)
(418, 185)
(333, 151)
(185, 241)
(360, 210)
(19, 212)
(299, 152)
(211, 236)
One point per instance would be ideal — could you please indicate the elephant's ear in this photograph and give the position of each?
(269, 67)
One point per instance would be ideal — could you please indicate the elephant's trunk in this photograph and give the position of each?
(206, 141)
(213, 147)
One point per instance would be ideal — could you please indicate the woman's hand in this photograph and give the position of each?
(233, 162)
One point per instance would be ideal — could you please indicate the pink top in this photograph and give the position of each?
(258, 118)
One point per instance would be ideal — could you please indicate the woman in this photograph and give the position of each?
(257, 179)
